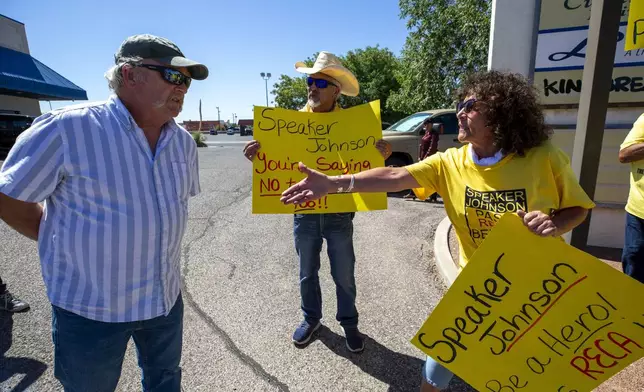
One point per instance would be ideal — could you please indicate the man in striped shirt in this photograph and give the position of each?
(115, 178)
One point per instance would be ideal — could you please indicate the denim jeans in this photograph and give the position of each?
(309, 232)
(89, 354)
(436, 374)
(633, 253)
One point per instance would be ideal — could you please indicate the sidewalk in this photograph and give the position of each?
(628, 380)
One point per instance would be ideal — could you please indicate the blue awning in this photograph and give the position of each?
(24, 76)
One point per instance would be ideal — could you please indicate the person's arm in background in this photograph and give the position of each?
(632, 149)
(425, 143)
(433, 149)
(632, 153)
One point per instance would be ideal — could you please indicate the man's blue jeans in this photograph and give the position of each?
(89, 354)
(337, 229)
(633, 253)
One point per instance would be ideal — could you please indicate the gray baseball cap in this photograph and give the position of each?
(162, 50)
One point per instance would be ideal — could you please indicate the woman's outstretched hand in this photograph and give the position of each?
(313, 187)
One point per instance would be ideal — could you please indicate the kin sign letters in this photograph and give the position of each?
(561, 52)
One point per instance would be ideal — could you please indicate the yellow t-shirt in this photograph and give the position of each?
(476, 196)
(635, 205)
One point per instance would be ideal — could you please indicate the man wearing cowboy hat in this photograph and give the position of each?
(326, 80)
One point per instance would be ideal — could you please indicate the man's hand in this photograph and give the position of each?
(313, 187)
(250, 149)
(384, 147)
(538, 223)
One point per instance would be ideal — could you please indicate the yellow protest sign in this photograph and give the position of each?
(535, 314)
(339, 142)
(635, 29)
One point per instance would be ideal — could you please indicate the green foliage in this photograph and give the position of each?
(290, 93)
(199, 138)
(375, 69)
(448, 39)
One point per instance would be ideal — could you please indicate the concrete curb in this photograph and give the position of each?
(442, 256)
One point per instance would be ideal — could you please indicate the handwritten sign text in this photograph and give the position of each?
(336, 143)
(535, 314)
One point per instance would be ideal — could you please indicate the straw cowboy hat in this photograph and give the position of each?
(328, 64)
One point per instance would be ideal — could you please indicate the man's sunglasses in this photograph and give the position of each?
(170, 75)
(319, 83)
(466, 106)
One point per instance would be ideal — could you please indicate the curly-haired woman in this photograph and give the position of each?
(507, 165)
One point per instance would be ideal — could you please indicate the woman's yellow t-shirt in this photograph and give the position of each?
(635, 205)
(476, 196)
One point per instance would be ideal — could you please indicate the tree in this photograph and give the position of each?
(448, 39)
(375, 69)
(290, 93)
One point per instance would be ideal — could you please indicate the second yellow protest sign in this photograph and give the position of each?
(334, 143)
(635, 29)
(535, 314)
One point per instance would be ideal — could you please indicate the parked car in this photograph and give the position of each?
(213, 131)
(405, 135)
(245, 130)
(230, 131)
(12, 125)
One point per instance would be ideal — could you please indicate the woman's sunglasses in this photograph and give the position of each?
(169, 74)
(319, 83)
(466, 106)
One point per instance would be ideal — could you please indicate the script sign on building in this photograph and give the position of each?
(561, 53)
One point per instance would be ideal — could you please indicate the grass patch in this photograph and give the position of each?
(199, 138)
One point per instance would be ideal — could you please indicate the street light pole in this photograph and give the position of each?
(266, 76)
(218, 118)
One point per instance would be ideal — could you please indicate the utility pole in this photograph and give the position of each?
(266, 76)
(218, 118)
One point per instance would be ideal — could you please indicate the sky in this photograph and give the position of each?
(235, 39)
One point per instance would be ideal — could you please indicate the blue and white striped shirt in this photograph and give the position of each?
(115, 214)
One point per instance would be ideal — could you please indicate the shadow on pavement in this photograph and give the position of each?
(401, 372)
(399, 194)
(10, 366)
